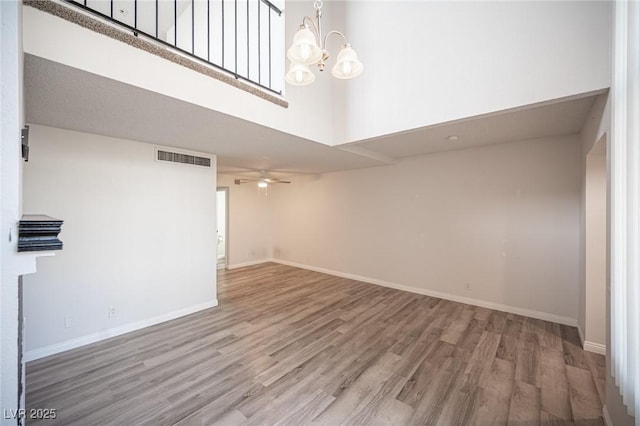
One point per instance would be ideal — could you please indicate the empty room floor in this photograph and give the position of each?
(290, 346)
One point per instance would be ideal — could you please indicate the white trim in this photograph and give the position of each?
(249, 263)
(606, 416)
(113, 332)
(447, 296)
(581, 334)
(224, 189)
(596, 348)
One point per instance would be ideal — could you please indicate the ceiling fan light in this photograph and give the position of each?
(262, 184)
(304, 49)
(347, 64)
(299, 75)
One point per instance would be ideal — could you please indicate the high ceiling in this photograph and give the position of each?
(537, 121)
(60, 96)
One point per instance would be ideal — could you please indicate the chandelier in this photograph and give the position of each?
(309, 48)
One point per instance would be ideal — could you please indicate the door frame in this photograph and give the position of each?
(225, 189)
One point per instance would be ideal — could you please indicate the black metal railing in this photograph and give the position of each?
(242, 37)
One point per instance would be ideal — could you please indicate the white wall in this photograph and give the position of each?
(139, 235)
(429, 62)
(250, 222)
(503, 218)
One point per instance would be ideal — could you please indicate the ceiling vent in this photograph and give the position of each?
(176, 157)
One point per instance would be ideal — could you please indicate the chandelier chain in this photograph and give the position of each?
(317, 4)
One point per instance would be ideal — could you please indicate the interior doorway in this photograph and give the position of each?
(222, 215)
(596, 248)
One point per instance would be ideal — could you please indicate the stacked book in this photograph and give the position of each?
(39, 233)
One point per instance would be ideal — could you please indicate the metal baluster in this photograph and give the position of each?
(280, 17)
(193, 27)
(259, 42)
(175, 23)
(235, 72)
(157, 18)
(269, 48)
(235, 18)
(248, 50)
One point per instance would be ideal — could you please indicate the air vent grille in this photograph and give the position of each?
(176, 157)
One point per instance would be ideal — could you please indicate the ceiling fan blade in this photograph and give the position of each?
(239, 181)
(270, 180)
(244, 180)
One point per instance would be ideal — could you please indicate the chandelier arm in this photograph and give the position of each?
(324, 45)
(315, 27)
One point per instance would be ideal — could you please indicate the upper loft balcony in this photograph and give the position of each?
(242, 38)
(212, 67)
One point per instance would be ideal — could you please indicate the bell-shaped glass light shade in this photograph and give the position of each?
(304, 49)
(299, 75)
(347, 64)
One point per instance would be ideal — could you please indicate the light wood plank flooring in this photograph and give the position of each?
(291, 347)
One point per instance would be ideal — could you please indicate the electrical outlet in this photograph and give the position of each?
(112, 311)
(468, 285)
(68, 321)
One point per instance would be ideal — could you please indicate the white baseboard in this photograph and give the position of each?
(113, 332)
(588, 346)
(249, 263)
(606, 416)
(447, 296)
(580, 334)
(596, 348)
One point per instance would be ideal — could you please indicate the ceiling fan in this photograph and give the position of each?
(263, 180)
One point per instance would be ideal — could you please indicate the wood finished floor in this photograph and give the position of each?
(290, 347)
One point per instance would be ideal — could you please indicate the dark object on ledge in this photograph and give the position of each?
(25, 143)
(38, 232)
